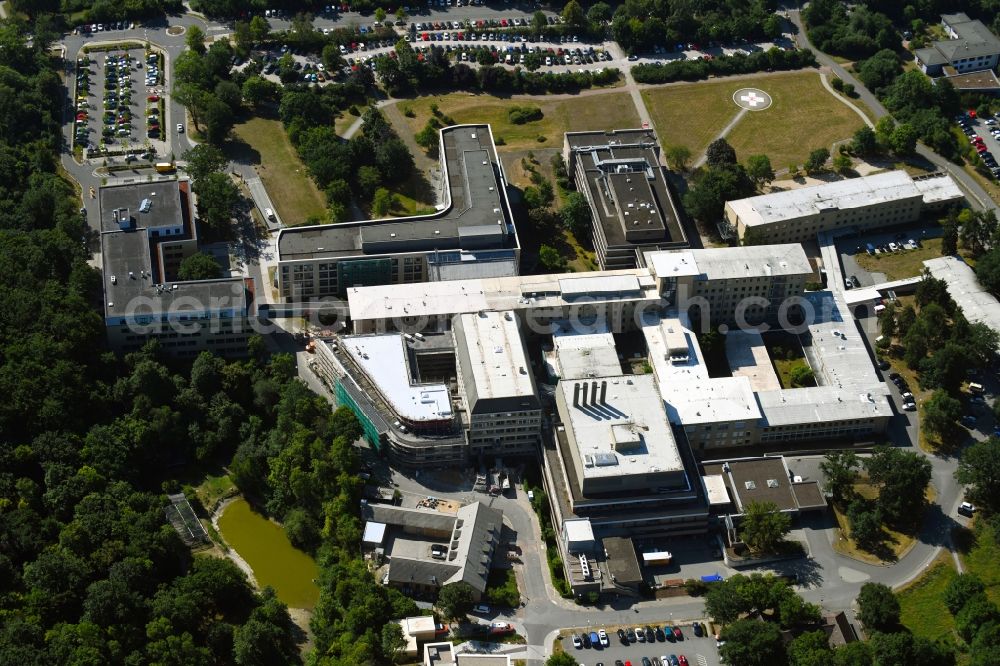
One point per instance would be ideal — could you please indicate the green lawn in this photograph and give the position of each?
(604, 111)
(214, 488)
(922, 602)
(804, 117)
(904, 264)
(691, 115)
(288, 184)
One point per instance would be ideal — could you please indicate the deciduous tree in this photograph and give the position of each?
(878, 607)
(199, 266)
(752, 643)
(455, 599)
(764, 526)
(840, 473)
(979, 470)
(960, 590)
(759, 170)
(902, 478)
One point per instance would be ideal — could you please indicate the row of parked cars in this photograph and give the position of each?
(909, 404)
(629, 635)
(89, 28)
(518, 54)
(968, 122)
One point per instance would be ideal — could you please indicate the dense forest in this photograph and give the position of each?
(91, 571)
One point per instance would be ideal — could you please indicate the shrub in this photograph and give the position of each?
(520, 115)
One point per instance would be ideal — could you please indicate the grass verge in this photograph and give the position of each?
(293, 192)
(904, 264)
(922, 601)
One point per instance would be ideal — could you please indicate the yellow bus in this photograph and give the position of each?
(164, 167)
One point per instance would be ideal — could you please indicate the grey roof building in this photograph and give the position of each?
(971, 47)
(147, 229)
(469, 540)
(505, 415)
(471, 235)
(633, 211)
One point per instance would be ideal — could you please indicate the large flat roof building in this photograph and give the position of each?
(977, 304)
(618, 434)
(750, 407)
(505, 415)
(749, 284)
(585, 315)
(471, 235)
(881, 200)
(631, 204)
(147, 229)
(538, 300)
(971, 47)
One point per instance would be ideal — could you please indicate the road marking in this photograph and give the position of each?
(702, 661)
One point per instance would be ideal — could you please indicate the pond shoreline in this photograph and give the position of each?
(229, 551)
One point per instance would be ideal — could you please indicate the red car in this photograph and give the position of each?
(682, 660)
(678, 634)
(153, 98)
(981, 148)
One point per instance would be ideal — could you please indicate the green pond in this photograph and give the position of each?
(272, 557)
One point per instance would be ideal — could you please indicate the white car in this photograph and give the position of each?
(180, 128)
(966, 509)
(603, 635)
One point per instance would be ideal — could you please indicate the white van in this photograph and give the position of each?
(976, 387)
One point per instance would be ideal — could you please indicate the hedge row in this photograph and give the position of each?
(693, 70)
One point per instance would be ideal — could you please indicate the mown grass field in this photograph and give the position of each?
(602, 111)
(691, 115)
(803, 116)
(293, 192)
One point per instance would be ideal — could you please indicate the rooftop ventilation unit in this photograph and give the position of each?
(584, 566)
(145, 205)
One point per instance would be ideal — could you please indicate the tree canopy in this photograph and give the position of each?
(199, 266)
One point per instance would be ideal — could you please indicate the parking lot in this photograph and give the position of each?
(882, 242)
(984, 134)
(695, 651)
(118, 107)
